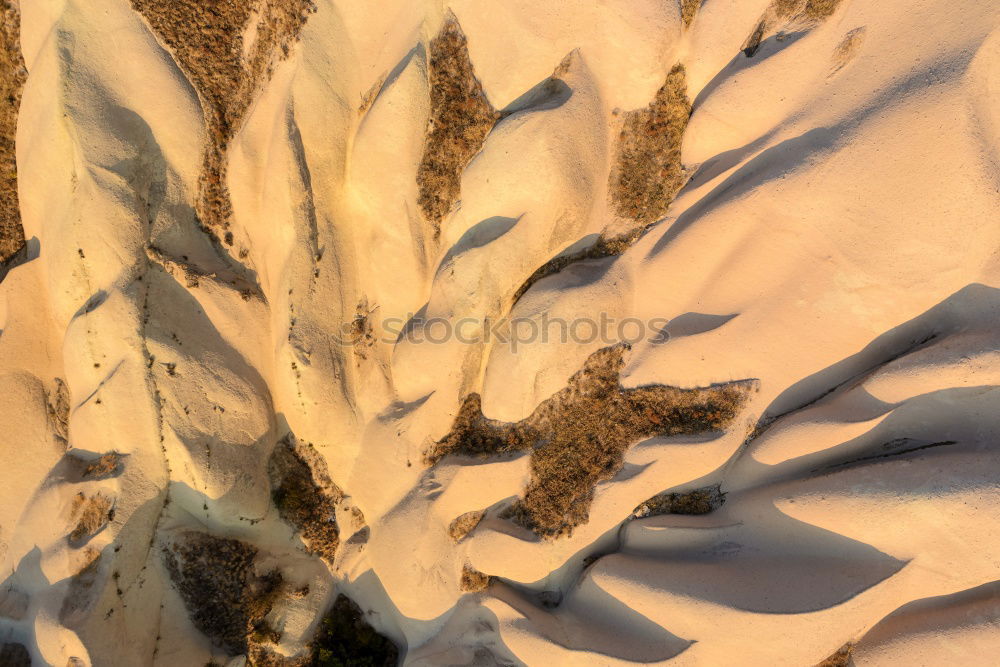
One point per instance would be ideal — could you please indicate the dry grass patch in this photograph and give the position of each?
(688, 10)
(820, 10)
(91, 515)
(699, 501)
(226, 599)
(847, 49)
(57, 409)
(802, 14)
(305, 499)
(108, 465)
(605, 246)
(461, 117)
(842, 658)
(473, 580)
(812, 10)
(207, 39)
(12, 77)
(346, 638)
(648, 170)
(579, 436)
(465, 524)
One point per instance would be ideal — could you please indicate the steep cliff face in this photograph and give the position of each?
(499, 332)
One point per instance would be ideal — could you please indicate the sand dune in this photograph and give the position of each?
(488, 333)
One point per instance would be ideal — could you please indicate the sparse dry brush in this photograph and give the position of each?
(579, 436)
(12, 77)
(461, 117)
(346, 638)
(841, 658)
(303, 501)
(689, 8)
(57, 409)
(801, 14)
(107, 465)
(605, 246)
(648, 170)
(91, 515)
(207, 39)
(226, 599)
(473, 580)
(647, 173)
(699, 501)
(464, 524)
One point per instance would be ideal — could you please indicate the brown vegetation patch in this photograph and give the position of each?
(108, 465)
(465, 524)
(82, 467)
(346, 638)
(605, 246)
(819, 10)
(226, 599)
(207, 39)
(802, 14)
(847, 49)
(304, 499)
(57, 409)
(91, 516)
(461, 117)
(473, 580)
(688, 10)
(699, 501)
(579, 436)
(842, 658)
(812, 10)
(13, 654)
(648, 170)
(12, 77)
